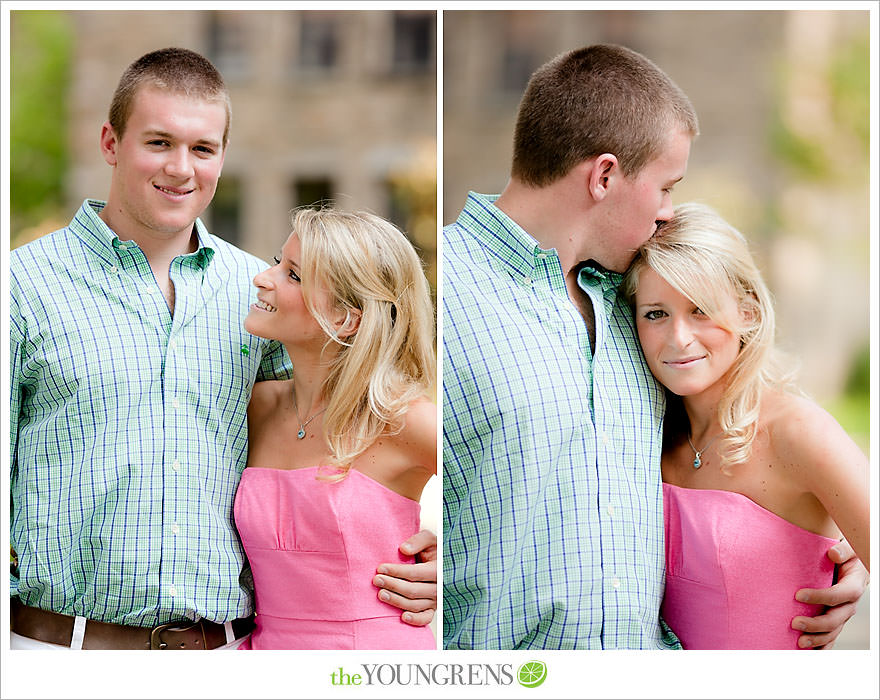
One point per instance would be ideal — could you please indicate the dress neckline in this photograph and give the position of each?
(736, 495)
(328, 466)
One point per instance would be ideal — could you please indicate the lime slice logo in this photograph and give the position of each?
(531, 674)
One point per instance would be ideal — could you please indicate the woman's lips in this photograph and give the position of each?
(683, 362)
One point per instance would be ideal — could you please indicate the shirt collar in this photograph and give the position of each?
(103, 241)
(515, 248)
(593, 270)
(506, 240)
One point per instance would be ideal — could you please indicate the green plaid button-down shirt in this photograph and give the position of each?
(552, 498)
(129, 426)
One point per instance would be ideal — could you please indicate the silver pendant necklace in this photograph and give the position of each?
(302, 426)
(698, 462)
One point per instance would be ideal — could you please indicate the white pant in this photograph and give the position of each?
(16, 641)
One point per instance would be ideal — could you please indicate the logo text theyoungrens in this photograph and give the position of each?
(425, 674)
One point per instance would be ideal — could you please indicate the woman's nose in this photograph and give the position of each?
(682, 333)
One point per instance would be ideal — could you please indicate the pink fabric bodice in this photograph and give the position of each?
(732, 569)
(313, 547)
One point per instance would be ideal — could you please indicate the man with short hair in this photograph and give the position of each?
(131, 375)
(553, 520)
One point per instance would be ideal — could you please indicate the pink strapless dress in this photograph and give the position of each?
(732, 569)
(313, 548)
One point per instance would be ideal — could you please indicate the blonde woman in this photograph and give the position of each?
(338, 455)
(759, 482)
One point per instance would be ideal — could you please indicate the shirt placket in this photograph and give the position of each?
(143, 292)
(180, 510)
(602, 294)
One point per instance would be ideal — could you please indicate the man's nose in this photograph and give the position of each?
(180, 163)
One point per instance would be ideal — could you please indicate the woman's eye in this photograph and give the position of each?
(654, 314)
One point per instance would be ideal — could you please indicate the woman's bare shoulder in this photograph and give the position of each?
(793, 420)
(807, 438)
(417, 439)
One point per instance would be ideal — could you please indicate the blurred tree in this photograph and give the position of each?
(40, 53)
(413, 192)
(820, 116)
(849, 77)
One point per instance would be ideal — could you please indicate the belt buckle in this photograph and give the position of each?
(156, 632)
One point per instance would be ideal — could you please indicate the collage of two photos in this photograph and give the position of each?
(441, 330)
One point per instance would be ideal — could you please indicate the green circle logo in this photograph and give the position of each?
(531, 674)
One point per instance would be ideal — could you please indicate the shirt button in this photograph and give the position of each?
(123, 246)
(610, 509)
(149, 289)
(175, 528)
(605, 438)
(114, 269)
(615, 582)
(175, 403)
(527, 280)
(176, 465)
(172, 344)
(172, 590)
(541, 256)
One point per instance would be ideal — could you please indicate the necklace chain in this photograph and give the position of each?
(302, 426)
(698, 462)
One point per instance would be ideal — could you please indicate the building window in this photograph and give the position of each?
(225, 212)
(313, 192)
(516, 69)
(227, 44)
(414, 34)
(319, 41)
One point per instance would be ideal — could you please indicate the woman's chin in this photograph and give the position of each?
(256, 328)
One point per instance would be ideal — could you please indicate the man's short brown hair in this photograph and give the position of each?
(595, 100)
(175, 70)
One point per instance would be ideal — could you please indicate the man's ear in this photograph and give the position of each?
(600, 175)
(109, 143)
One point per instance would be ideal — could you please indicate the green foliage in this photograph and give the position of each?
(849, 81)
(40, 48)
(798, 153)
(858, 382)
(852, 409)
(816, 156)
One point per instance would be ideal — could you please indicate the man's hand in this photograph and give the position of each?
(412, 587)
(821, 631)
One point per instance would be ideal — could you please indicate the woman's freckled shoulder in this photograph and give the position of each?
(795, 423)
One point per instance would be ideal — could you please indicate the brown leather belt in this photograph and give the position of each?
(56, 628)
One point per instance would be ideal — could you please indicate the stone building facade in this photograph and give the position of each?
(326, 106)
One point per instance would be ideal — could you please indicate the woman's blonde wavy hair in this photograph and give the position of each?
(364, 264)
(707, 260)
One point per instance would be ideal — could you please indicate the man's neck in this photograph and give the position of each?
(552, 216)
(159, 250)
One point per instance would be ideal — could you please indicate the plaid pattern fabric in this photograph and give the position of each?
(129, 426)
(552, 518)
